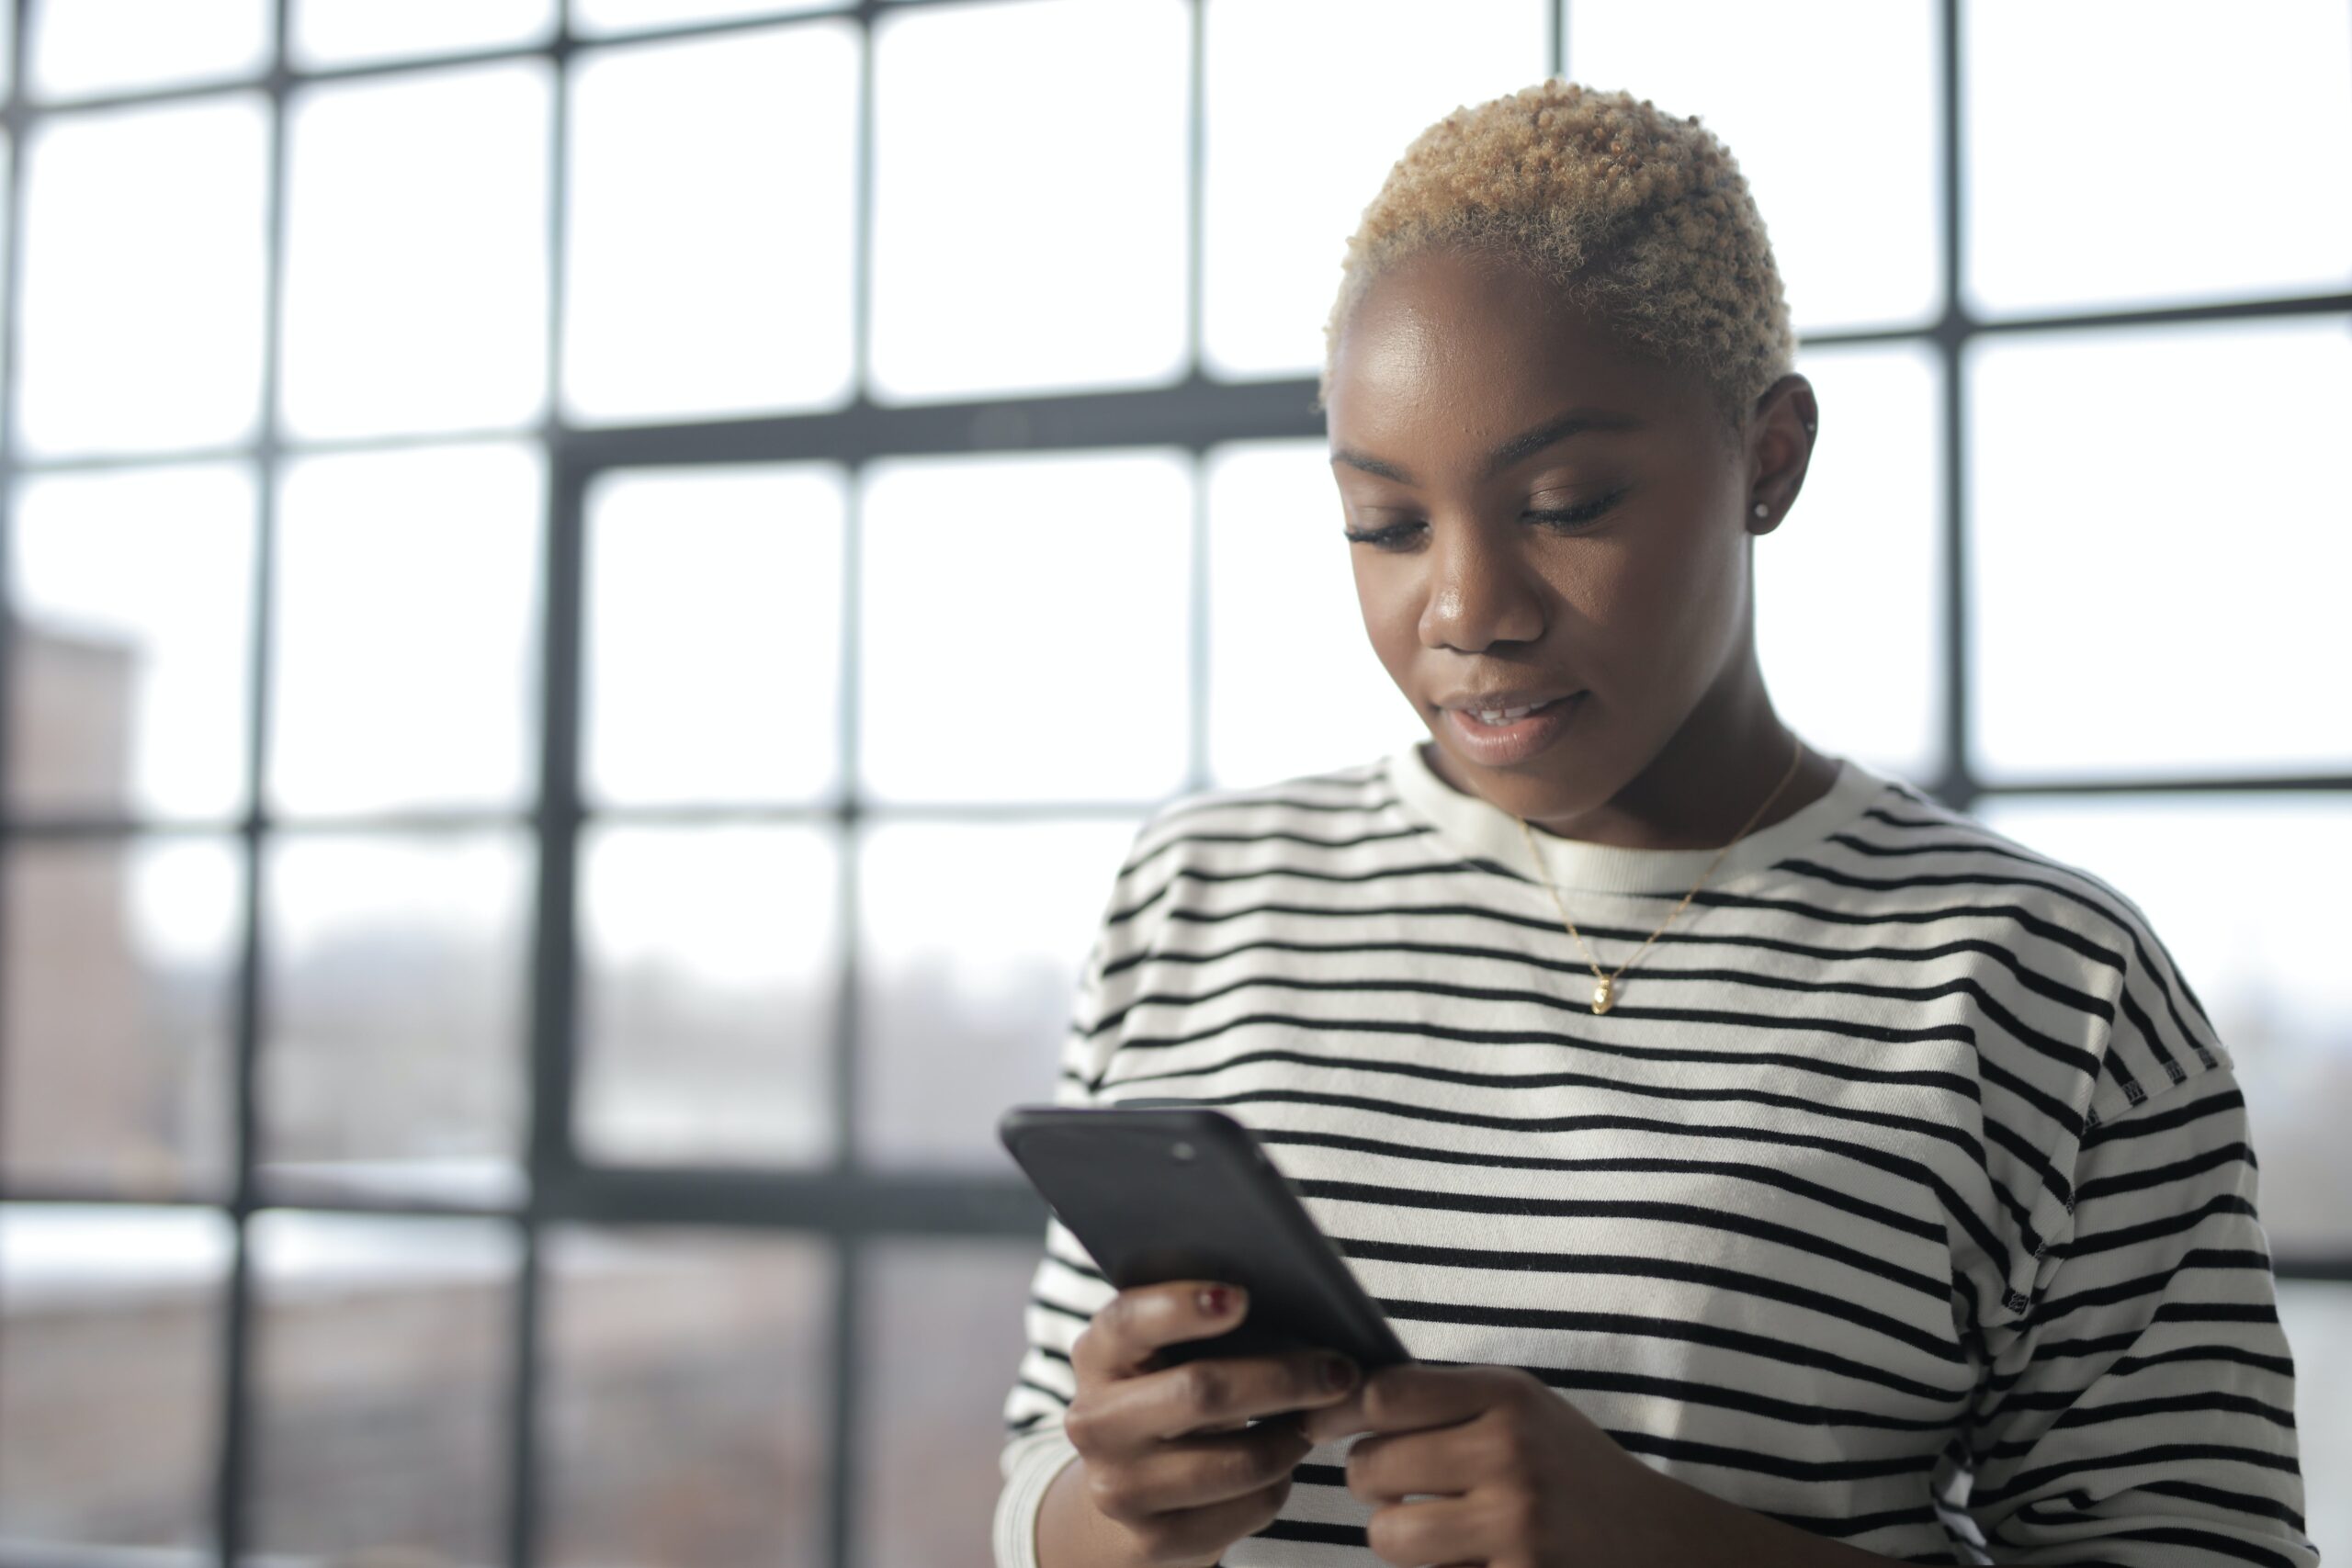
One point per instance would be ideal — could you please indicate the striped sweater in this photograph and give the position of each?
(1905, 1193)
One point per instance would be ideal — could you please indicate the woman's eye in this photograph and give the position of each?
(1571, 516)
(1386, 538)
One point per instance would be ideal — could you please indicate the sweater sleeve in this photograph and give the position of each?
(2143, 1414)
(1064, 1294)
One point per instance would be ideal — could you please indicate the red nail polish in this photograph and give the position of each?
(1215, 1300)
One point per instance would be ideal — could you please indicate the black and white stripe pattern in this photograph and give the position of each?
(1906, 1194)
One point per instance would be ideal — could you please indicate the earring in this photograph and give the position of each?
(1762, 510)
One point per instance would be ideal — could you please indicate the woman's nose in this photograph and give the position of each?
(1479, 593)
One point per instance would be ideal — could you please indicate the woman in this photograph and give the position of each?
(1764, 1164)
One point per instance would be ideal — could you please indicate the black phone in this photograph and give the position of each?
(1171, 1191)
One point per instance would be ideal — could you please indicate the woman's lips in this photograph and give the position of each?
(1501, 745)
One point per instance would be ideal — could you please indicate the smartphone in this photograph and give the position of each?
(1177, 1191)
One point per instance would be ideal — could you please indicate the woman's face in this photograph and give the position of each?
(1552, 518)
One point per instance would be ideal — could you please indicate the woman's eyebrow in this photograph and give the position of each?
(1517, 447)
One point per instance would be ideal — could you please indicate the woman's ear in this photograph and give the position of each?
(1781, 435)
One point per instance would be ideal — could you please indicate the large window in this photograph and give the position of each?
(593, 595)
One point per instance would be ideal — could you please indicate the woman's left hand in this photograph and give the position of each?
(1522, 1478)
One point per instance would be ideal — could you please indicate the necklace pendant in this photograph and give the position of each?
(1603, 995)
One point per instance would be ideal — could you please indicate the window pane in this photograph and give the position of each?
(625, 16)
(2318, 1320)
(84, 47)
(110, 1330)
(2228, 884)
(2099, 532)
(944, 1335)
(717, 176)
(144, 236)
(354, 32)
(707, 1004)
(416, 253)
(1284, 188)
(1029, 227)
(119, 957)
(2106, 191)
(689, 1399)
(392, 1061)
(989, 586)
(972, 936)
(128, 653)
(383, 1370)
(1784, 87)
(1858, 563)
(406, 660)
(725, 584)
(1283, 597)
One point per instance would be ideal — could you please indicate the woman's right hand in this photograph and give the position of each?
(1168, 1456)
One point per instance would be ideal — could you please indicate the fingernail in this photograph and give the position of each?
(1337, 1373)
(1215, 1301)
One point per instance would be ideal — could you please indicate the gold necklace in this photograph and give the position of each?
(1604, 989)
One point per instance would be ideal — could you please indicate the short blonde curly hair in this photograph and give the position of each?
(1631, 212)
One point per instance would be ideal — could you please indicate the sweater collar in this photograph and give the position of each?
(1484, 831)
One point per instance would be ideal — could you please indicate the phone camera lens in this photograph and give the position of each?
(1181, 1150)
